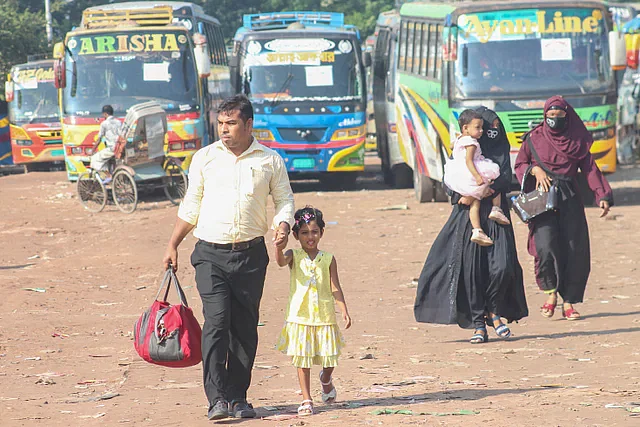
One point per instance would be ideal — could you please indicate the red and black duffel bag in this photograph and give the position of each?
(169, 335)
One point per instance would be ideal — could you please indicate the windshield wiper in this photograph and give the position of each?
(284, 87)
(74, 72)
(576, 82)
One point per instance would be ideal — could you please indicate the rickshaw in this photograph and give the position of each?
(139, 161)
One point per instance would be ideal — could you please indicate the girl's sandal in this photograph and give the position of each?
(306, 408)
(480, 338)
(331, 396)
(502, 330)
(547, 310)
(571, 314)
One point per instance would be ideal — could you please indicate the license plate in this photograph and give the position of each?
(304, 163)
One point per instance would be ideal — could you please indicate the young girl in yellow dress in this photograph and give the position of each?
(311, 335)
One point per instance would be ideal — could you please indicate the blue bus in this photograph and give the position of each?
(305, 75)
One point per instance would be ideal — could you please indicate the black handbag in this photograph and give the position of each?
(530, 205)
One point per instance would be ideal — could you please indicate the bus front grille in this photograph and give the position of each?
(302, 134)
(522, 121)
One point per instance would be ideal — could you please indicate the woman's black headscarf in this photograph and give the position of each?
(495, 147)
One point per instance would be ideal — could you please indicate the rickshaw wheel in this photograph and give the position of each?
(91, 192)
(125, 191)
(175, 183)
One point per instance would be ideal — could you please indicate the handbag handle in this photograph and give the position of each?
(170, 276)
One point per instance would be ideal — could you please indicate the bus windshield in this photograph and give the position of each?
(290, 69)
(35, 96)
(532, 52)
(124, 69)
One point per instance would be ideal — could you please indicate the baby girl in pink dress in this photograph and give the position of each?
(469, 174)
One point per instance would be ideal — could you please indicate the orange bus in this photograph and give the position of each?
(34, 115)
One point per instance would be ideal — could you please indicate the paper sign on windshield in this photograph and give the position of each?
(156, 72)
(556, 49)
(319, 76)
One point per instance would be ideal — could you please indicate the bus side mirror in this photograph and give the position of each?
(59, 74)
(9, 90)
(366, 59)
(203, 61)
(234, 73)
(617, 50)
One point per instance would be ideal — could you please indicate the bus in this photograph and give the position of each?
(384, 83)
(34, 116)
(510, 57)
(6, 160)
(305, 75)
(127, 53)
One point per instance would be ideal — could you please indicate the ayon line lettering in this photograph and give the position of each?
(128, 43)
(561, 24)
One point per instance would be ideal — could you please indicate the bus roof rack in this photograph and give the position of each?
(279, 20)
(101, 18)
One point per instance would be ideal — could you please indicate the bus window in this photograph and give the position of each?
(433, 37)
(425, 49)
(402, 62)
(410, 46)
(419, 50)
(439, 53)
(220, 45)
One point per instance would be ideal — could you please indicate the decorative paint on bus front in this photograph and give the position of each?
(40, 142)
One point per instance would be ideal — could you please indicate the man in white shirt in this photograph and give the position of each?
(109, 130)
(226, 202)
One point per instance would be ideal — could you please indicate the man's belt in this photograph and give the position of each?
(238, 246)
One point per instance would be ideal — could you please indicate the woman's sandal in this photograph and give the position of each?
(306, 408)
(571, 314)
(547, 310)
(480, 338)
(502, 330)
(331, 396)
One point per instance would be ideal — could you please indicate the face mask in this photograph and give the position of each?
(493, 133)
(556, 123)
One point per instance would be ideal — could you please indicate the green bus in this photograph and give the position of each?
(509, 56)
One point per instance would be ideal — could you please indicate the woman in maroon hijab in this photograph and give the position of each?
(559, 240)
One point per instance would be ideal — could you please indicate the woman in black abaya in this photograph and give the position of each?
(468, 284)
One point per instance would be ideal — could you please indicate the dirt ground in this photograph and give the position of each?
(74, 283)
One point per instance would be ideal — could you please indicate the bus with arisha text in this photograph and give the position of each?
(510, 57)
(305, 75)
(124, 54)
(36, 140)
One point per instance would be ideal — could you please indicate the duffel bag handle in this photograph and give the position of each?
(170, 276)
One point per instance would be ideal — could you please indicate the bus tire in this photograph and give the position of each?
(422, 186)
(402, 176)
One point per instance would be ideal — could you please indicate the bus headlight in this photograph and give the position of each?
(175, 146)
(601, 134)
(192, 145)
(76, 150)
(23, 142)
(350, 133)
(263, 135)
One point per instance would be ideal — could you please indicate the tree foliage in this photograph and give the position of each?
(23, 32)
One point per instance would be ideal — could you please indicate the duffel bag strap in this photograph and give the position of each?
(170, 276)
